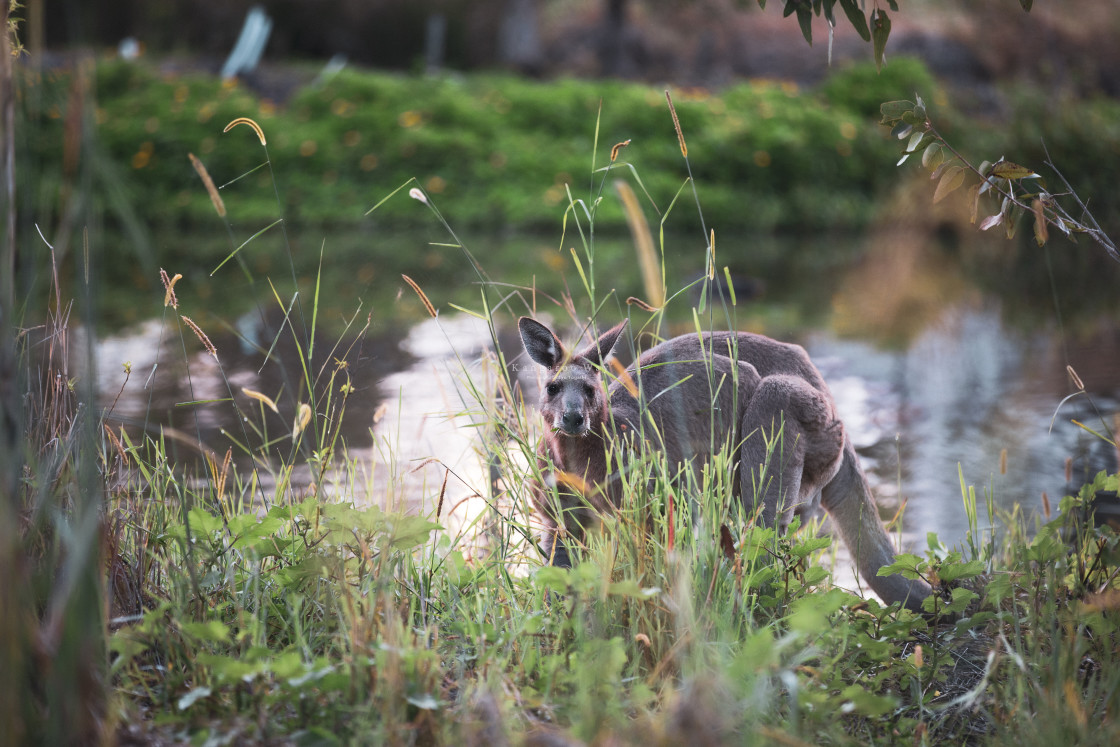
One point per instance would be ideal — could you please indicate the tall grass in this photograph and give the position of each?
(233, 603)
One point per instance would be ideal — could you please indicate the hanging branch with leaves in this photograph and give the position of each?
(1016, 190)
(874, 28)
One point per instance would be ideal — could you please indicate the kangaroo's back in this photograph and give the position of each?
(691, 396)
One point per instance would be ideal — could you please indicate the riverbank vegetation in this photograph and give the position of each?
(265, 588)
(148, 601)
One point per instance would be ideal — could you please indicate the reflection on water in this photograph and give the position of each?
(929, 378)
(960, 394)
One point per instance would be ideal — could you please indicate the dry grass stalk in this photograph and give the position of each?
(209, 184)
(246, 121)
(303, 417)
(423, 298)
(1076, 379)
(169, 298)
(263, 398)
(635, 301)
(676, 124)
(618, 147)
(201, 336)
(643, 243)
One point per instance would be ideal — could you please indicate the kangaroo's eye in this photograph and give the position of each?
(588, 390)
(553, 389)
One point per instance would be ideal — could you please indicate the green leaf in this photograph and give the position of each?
(953, 571)
(1009, 170)
(961, 598)
(211, 630)
(866, 703)
(933, 156)
(892, 111)
(906, 564)
(950, 180)
(856, 18)
(552, 577)
(203, 522)
(880, 30)
(411, 531)
(805, 20)
(810, 614)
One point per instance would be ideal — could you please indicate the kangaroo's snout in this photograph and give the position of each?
(573, 423)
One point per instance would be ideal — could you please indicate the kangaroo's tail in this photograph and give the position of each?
(847, 498)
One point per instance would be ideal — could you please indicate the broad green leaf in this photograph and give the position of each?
(228, 667)
(552, 577)
(211, 630)
(203, 522)
(933, 156)
(866, 703)
(410, 531)
(856, 18)
(892, 111)
(810, 614)
(953, 571)
(1009, 170)
(906, 564)
(950, 180)
(961, 598)
(880, 30)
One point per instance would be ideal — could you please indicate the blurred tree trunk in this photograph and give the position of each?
(610, 44)
(519, 39)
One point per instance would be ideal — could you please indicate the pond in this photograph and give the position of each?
(945, 368)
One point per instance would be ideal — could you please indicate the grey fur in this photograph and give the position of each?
(697, 392)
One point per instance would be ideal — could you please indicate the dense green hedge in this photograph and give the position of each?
(495, 150)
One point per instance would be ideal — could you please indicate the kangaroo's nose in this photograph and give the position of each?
(572, 422)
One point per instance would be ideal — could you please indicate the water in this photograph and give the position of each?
(937, 377)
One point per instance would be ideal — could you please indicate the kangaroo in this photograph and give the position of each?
(688, 396)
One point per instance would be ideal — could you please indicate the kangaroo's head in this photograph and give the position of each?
(572, 400)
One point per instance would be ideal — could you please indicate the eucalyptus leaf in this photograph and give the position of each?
(880, 30)
(1009, 170)
(950, 180)
(991, 221)
(915, 141)
(933, 156)
(892, 111)
(856, 18)
(805, 20)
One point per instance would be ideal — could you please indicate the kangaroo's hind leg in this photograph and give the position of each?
(793, 445)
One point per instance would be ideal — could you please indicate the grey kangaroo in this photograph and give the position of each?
(689, 396)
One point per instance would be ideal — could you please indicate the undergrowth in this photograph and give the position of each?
(233, 603)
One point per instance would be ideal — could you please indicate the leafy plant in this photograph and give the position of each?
(1017, 190)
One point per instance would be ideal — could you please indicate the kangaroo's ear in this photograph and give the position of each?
(540, 343)
(600, 350)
